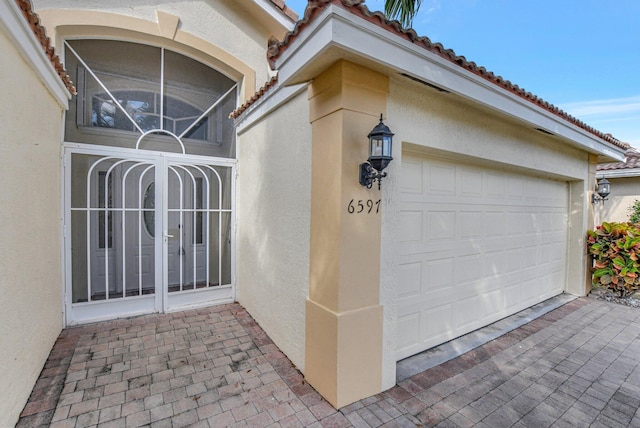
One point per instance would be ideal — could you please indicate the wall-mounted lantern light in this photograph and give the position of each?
(603, 190)
(380, 142)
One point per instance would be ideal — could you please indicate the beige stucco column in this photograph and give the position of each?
(343, 350)
(591, 219)
(580, 220)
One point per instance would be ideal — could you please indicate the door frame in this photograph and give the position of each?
(160, 301)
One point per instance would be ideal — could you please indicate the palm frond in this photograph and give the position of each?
(402, 10)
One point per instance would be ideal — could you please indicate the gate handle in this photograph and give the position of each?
(166, 235)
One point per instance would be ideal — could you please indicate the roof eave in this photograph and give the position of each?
(336, 33)
(17, 29)
(284, 18)
(274, 97)
(619, 173)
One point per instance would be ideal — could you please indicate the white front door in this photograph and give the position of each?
(146, 232)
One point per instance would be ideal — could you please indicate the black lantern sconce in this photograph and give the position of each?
(603, 190)
(380, 142)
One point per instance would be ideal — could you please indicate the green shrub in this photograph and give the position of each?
(615, 248)
(634, 212)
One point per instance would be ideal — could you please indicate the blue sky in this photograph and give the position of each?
(581, 55)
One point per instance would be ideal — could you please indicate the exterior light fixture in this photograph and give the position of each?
(380, 142)
(603, 190)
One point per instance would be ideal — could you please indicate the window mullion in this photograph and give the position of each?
(162, 88)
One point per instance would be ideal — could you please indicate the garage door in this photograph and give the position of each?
(476, 244)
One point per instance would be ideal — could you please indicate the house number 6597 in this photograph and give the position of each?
(365, 206)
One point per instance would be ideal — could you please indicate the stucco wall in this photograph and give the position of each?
(273, 211)
(444, 124)
(624, 191)
(30, 246)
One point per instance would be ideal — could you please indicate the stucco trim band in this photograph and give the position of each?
(343, 353)
(165, 32)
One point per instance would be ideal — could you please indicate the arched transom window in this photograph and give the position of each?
(140, 96)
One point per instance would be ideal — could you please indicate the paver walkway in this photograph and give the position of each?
(578, 365)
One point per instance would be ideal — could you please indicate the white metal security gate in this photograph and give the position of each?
(146, 232)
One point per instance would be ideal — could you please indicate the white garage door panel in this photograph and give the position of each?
(476, 245)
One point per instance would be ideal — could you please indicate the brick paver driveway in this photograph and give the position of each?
(575, 366)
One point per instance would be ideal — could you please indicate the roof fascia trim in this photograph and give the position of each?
(337, 27)
(619, 173)
(271, 101)
(275, 13)
(17, 30)
(310, 42)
